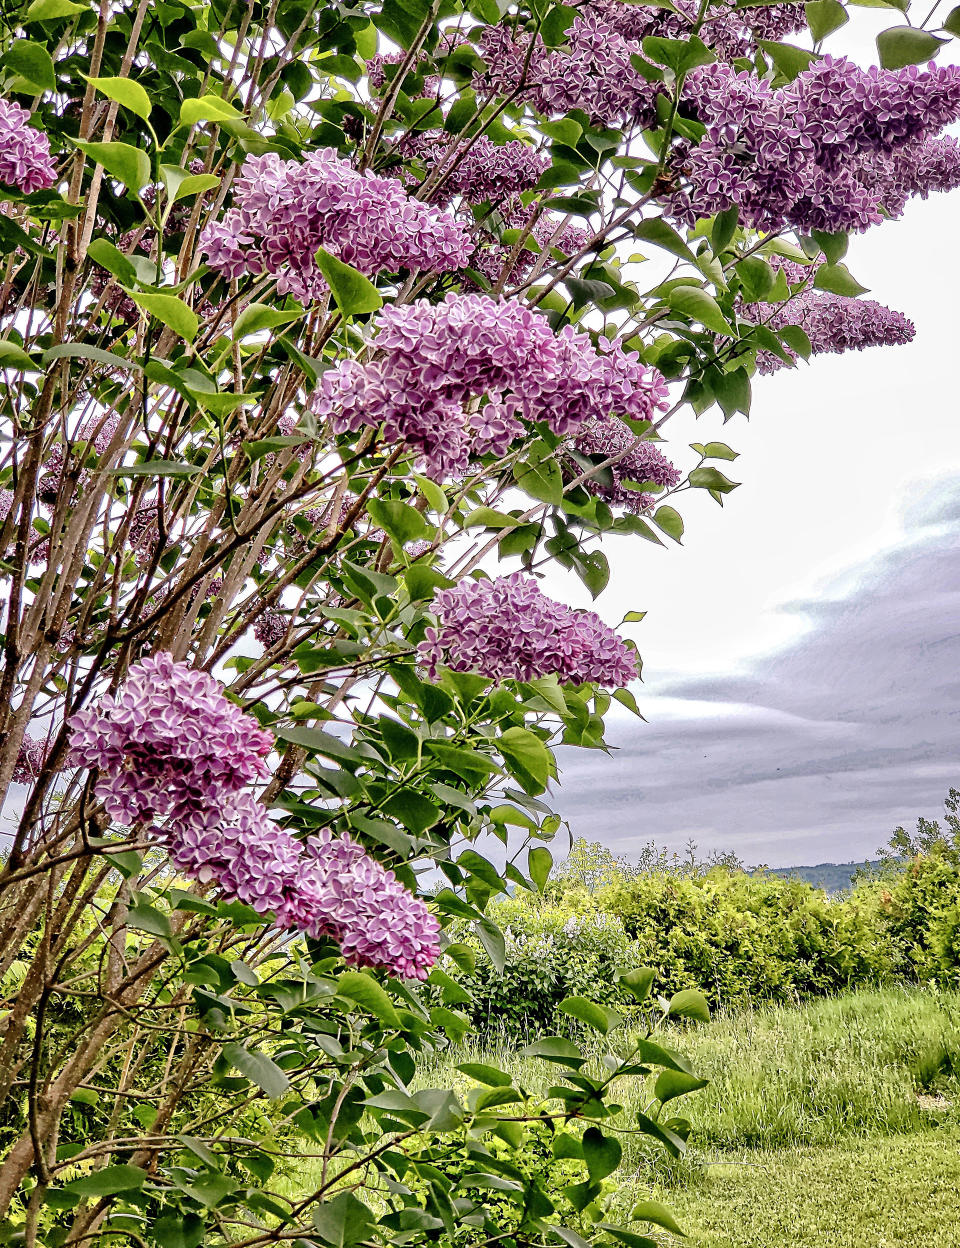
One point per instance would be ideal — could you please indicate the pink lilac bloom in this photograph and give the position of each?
(168, 740)
(819, 154)
(25, 160)
(284, 210)
(507, 629)
(639, 461)
(833, 324)
(920, 169)
(486, 171)
(270, 627)
(171, 746)
(434, 358)
(30, 759)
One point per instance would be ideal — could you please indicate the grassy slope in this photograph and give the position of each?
(901, 1190)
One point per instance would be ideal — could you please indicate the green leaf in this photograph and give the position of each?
(833, 246)
(369, 995)
(109, 1181)
(556, 1049)
(668, 521)
(487, 518)
(488, 1075)
(639, 982)
(656, 231)
(602, 1153)
(905, 45)
(146, 918)
(711, 479)
(170, 310)
(84, 352)
(838, 280)
(680, 55)
(12, 356)
(33, 63)
(354, 293)
(824, 17)
(101, 251)
(193, 184)
(593, 568)
(539, 865)
(52, 10)
(207, 108)
(492, 939)
(523, 750)
(952, 21)
(540, 479)
(719, 450)
(257, 316)
(401, 20)
(695, 303)
(258, 1068)
(797, 340)
(724, 228)
(674, 1083)
(398, 520)
(124, 91)
(178, 1231)
(689, 1004)
(599, 1017)
(158, 468)
(659, 1215)
(128, 164)
(789, 60)
(343, 1221)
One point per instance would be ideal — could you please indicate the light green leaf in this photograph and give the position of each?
(12, 356)
(838, 280)
(599, 1017)
(695, 303)
(257, 316)
(525, 751)
(539, 865)
(128, 164)
(487, 518)
(109, 1181)
(674, 1083)
(207, 108)
(354, 293)
(656, 231)
(170, 310)
(52, 10)
(126, 92)
(364, 991)
(689, 1004)
(668, 520)
(824, 17)
(659, 1215)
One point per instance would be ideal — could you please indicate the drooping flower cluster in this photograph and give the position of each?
(833, 324)
(637, 461)
(25, 160)
(30, 759)
(824, 152)
(170, 747)
(485, 171)
(507, 629)
(270, 627)
(284, 210)
(437, 357)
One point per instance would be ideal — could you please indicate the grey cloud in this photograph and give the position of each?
(819, 750)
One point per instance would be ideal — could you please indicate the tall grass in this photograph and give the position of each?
(787, 1075)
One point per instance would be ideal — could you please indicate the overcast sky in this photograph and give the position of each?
(802, 650)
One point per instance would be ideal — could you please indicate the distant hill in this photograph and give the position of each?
(833, 877)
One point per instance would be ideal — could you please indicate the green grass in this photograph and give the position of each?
(900, 1190)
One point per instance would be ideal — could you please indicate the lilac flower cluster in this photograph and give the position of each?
(486, 171)
(284, 210)
(507, 629)
(270, 627)
(638, 461)
(25, 160)
(548, 232)
(30, 759)
(435, 358)
(833, 324)
(171, 746)
(168, 742)
(819, 154)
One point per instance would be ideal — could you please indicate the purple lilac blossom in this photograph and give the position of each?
(169, 740)
(640, 460)
(25, 160)
(284, 210)
(436, 357)
(491, 256)
(270, 627)
(833, 324)
(171, 746)
(486, 171)
(507, 629)
(823, 153)
(30, 759)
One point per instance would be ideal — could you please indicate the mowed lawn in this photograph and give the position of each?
(867, 1193)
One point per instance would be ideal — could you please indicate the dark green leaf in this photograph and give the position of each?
(599, 1017)
(33, 63)
(602, 1153)
(343, 1221)
(789, 60)
(639, 982)
(488, 1075)
(695, 303)
(109, 1181)
(369, 995)
(711, 479)
(258, 1068)
(905, 45)
(824, 17)
(129, 165)
(674, 1083)
(104, 253)
(668, 521)
(838, 280)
